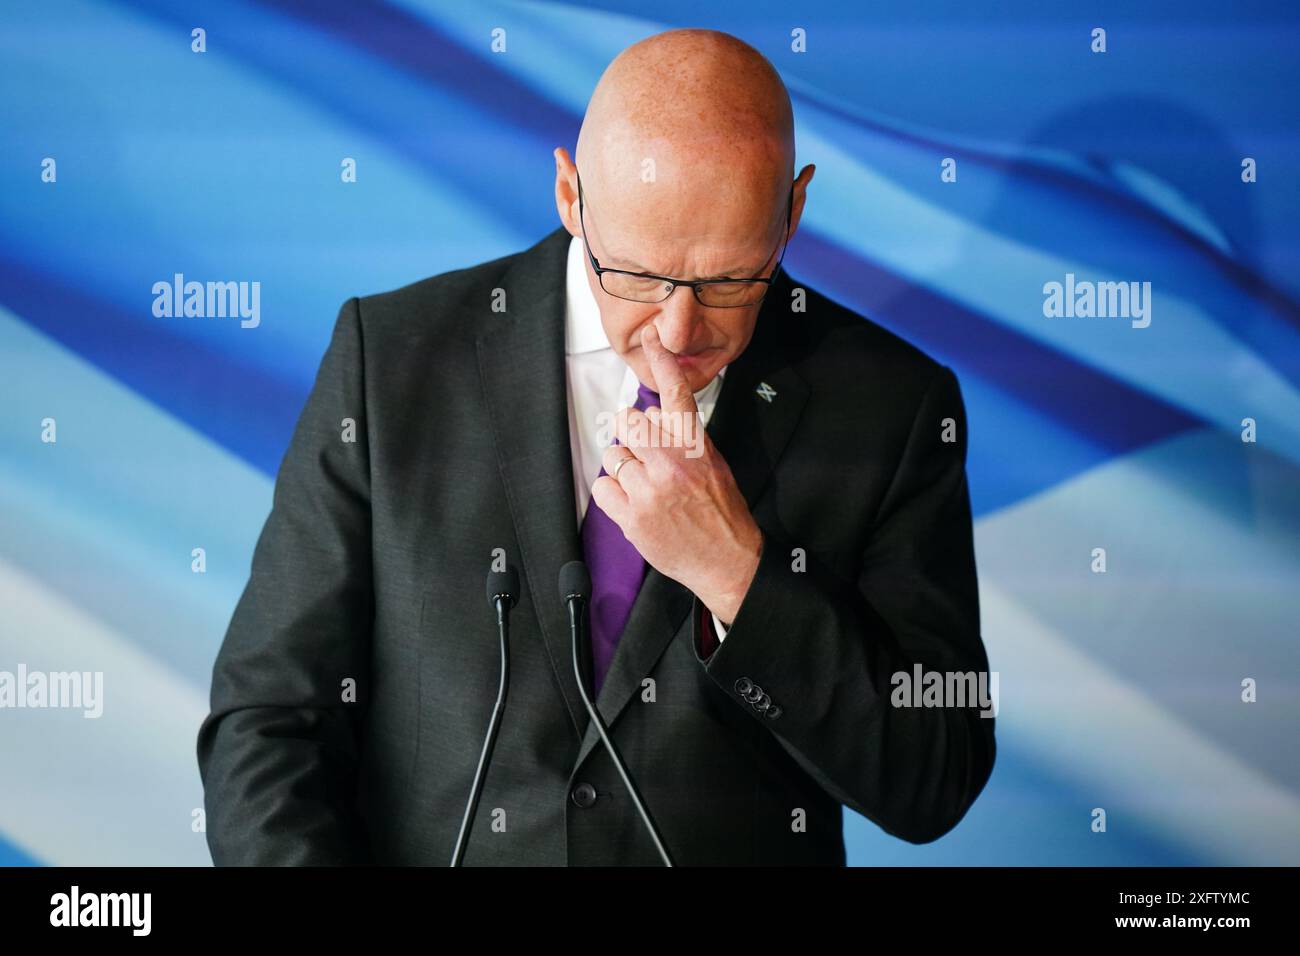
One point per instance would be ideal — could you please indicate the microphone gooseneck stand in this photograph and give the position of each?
(503, 594)
(575, 586)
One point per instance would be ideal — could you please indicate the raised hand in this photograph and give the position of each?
(675, 498)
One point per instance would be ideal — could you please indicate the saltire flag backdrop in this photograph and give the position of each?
(981, 173)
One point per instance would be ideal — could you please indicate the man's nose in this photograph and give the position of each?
(678, 318)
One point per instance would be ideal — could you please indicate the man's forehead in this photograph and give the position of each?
(712, 241)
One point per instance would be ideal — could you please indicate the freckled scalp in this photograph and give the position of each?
(707, 108)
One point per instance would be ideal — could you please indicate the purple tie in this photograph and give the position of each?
(617, 570)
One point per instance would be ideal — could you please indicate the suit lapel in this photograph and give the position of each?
(751, 431)
(521, 363)
(762, 397)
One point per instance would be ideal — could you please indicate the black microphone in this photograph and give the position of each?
(575, 591)
(502, 594)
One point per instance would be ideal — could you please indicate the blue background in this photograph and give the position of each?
(1118, 690)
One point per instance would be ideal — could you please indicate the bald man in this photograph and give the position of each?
(768, 490)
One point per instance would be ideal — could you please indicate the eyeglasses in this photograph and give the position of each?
(714, 293)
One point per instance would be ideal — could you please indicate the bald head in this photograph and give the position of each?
(690, 116)
(686, 165)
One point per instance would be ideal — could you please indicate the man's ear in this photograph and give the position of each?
(566, 191)
(800, 195)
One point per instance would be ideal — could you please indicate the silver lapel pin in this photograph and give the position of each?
(766, 392)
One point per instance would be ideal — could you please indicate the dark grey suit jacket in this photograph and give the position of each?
(370, 573)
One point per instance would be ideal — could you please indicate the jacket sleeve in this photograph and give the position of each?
(812, 656)
(278, 752)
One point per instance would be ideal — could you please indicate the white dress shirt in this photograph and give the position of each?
(600, 383)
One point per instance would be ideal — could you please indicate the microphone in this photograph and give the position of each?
(502, 594)
(575, 591)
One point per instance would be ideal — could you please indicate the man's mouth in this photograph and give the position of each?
(695, 356)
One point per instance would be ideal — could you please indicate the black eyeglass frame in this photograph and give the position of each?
(693, 283)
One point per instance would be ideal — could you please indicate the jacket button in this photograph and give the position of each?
(743, 686)
(763, 704)
(755, 694)
(773, 712)
(584, 795)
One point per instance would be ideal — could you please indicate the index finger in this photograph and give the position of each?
(675, 393)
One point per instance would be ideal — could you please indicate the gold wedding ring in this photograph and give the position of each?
(621, 462)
